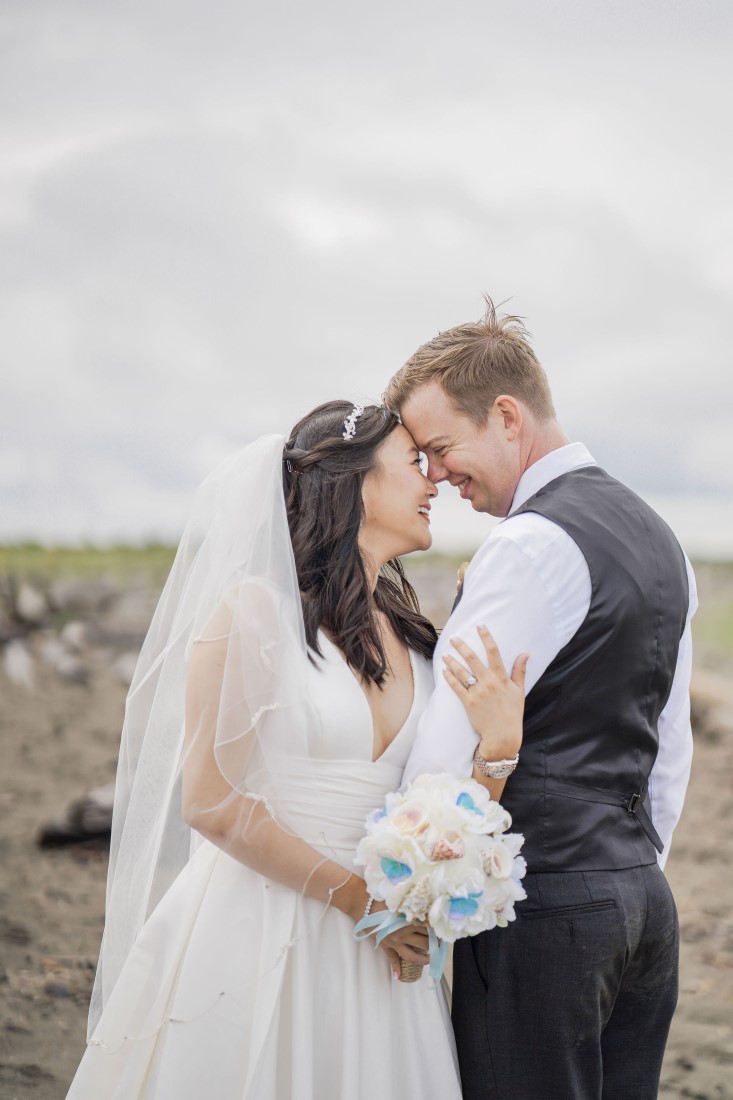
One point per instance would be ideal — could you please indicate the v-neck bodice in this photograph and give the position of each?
(346, 721)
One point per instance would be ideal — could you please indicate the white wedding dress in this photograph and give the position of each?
(202, 1009)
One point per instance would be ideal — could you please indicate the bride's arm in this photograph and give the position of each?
(494, 702)
(244, 827)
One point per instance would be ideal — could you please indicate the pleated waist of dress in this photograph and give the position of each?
(327, 801)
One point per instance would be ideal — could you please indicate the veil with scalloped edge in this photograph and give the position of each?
(217, 705)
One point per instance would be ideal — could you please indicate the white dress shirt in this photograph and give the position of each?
(530, 585)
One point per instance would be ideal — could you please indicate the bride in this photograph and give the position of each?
(274, 705)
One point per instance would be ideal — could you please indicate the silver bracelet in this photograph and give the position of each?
(494, 769)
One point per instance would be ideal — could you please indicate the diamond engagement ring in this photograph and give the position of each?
(470, 682)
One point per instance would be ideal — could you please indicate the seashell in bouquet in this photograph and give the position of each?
(440, 852)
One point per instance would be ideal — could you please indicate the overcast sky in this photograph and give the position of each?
(215, 216)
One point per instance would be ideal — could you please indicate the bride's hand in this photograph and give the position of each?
(494, 701)
(409, 943)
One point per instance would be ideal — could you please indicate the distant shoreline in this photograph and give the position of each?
(27, 557)
(433, 574)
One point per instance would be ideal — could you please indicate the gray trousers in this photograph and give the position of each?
(572, 1001)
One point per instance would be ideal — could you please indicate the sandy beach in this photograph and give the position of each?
(60, 723)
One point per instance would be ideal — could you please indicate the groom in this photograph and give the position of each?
(572, 1001)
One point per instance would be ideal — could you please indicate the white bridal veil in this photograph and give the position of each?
(217, 712)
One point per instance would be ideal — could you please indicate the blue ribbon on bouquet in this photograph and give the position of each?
(384, 923)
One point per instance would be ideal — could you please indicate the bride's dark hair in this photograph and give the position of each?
(323, 475)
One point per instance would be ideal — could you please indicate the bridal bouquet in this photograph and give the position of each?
(440, 852)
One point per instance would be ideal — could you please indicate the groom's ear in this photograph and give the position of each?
(510, 411)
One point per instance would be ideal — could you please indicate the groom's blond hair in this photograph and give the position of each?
(475, 363)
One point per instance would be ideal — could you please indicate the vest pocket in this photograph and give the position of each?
(567, 910)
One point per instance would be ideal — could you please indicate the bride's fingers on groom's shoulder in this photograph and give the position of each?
(455, 666)
(456, 675)
(492, 650)
(475, 663)
(519, 671)
(453, 682)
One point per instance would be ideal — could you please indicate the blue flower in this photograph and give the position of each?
(465, 801)
(396, 872)
(463, 907)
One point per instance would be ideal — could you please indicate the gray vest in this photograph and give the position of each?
(579, 794)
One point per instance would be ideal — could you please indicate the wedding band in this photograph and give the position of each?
(470, 682)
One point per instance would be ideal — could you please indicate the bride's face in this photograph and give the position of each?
(396, 497)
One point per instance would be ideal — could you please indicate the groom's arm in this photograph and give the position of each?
(529, 584)
(671, 772)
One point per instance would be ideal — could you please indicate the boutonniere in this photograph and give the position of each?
(461, 576)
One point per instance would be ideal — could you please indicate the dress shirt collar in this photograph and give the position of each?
(570, 457)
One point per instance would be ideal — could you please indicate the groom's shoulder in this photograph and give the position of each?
(525, 533)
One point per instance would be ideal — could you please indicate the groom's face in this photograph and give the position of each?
(482, 462)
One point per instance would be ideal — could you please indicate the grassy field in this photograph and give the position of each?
(31, 561)
(713, 624)
(712, 627)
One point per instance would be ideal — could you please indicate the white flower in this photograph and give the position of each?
(456, 876)
(480, 812)
(503, 892)
(497, 858)
(519, 869)
(410, 819)
(512, 841)
(438, 783)
(374, 818)
(392, 862)
(440, 850)
(454, 917)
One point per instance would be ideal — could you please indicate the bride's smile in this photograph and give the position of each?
(396, 495)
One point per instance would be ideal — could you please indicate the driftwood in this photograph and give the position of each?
(86, 818)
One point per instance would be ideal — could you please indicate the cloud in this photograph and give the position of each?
(210, 225)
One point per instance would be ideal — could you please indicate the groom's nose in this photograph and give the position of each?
(436, 472)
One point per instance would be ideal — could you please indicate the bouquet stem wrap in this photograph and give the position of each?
(439, 854)
(385, 923)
